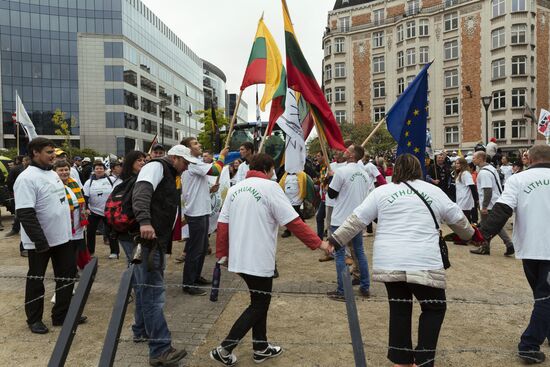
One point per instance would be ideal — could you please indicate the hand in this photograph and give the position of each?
(147, 232)
(214, 188)
(484, 211)
(327, 247)
(183, 221)
(224, 152)
(435, 182)
(223, 261)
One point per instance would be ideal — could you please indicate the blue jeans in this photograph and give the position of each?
(320, 218)
(152, 301)
(340, 257)
(138, 327)
(537, 273)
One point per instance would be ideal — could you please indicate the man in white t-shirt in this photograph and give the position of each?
(197, 209)
(349, 187)
(43, 210)
(528, 195)
(505, 168)
(247, 151)
(339, 162)
(489, 189)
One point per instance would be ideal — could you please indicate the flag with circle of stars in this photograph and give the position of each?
(407, 118)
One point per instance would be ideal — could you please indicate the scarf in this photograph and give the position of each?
(75, 187)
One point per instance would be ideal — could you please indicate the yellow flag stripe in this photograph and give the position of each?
(274, 65)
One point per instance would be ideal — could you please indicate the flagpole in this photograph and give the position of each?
(380, 123)
(322, 141)
(264, 137)
(232, 124)
(17, 137)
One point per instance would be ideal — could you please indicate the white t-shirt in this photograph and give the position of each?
(486, 179)
(44, 191)
(464, 198)
(372, 171)
(506, 171)
(196, 190)
(334, 166)
(528, 193)
(241, 172)
(352, 184)
(79, 231)
(292, 190)
(152, 172)
(406, 237)
(254, 209)
(98, 190)
(75, 176)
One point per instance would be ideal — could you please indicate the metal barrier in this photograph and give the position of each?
(353, 320)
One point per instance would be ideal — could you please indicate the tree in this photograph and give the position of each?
(207, 135)
(63, 128)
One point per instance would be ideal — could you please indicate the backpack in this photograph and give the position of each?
(118, 208)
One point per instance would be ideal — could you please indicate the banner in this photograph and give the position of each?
(290, 122)
(23, 118)
(544, 121)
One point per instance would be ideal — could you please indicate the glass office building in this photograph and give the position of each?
(109, 64)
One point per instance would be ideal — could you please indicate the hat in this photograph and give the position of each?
(77, 158)
(59, 151)
(157, 147)
(182, 151)
(494, 140)
(87, 159)
(115, 163)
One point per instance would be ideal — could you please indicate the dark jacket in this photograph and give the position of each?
(12, 176)
(85, 173)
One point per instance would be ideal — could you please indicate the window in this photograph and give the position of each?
(340, 70)
(378, 39)
(411, 56)
(114, 96)
(344, 24)
(328, 48)
(400, 86)
(423, 28)
(449, 3)
(131, 99)
(328, 72)
(400, 59)
(378, 64)
(148, 126)
(379, 113)
(378, 16)
(498, 37)
(451, 106)
(411, 29)
(499, 7)
(451, 78)
(499, 100)
(413, 7)
(518, 97)
(339, 45)
(410, 79)
(499, 129)
(148, 86)
(519, 33)
(499, 69)
(424, 54)
(379, 89)
(114, 119)
(340, 116)
(148, 106)
(451, 135)
(451, 50)
(113, 73)
(519, 129)
(450, 21)
(130, 77)
(112, 50)
(130, 121)
(399, 33)
(518, 5)
(519, 65)
(340, 94)
(328, 95)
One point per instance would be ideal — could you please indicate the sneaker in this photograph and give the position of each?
(509, 251)
(113, 256)
(532, 357)
(10, 234)
(194, 291)
(203, 281)
(38, 328)
(227, 359)
(24, 253)
(170, 357)
(180, 259)
(271, 351)
(365, 293)
(481, 250)
(355, 281)
(140, 338)
(326, 258)
(336, 296)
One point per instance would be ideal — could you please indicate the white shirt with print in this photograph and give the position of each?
(334, 166)
(488, 178)
(464, 198)
(292, 190)
(44, 191)
(241, 172)
(254, 209)
(371, 170)
(98, 190)
(196, 190)
(352, 184)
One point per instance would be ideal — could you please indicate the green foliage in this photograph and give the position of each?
(86, 152)
(64, 129)
(207, 136)
(10, 153)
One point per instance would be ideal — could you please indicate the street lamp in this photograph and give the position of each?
(162, 112)
(487, 103)
(189, 114)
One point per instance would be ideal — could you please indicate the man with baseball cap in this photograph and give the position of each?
(86, 169)
(154, 202)
(157, 151)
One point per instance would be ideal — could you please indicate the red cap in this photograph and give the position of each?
(494, 140)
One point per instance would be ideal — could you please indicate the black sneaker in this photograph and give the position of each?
(532, 357)
(355, 281)
(336, 296)
(140, 338)
(227, 359)
(203, 281)
(194, 291)
(38, 328)
(271, 351)
(168, 358)
(481, 250)
(509, 251)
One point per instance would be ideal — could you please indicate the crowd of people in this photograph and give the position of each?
(61, 204)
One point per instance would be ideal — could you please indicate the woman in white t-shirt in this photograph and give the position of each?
(407, 256)
(96, 191)
(466, 191)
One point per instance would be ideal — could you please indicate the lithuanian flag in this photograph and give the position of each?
(301, 79)
(265, 66)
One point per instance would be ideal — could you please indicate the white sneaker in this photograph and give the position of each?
(271, 351)
(113, 256)
(218, 355)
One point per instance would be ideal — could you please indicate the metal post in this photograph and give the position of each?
(486, 126)
(353, 320)
(162, 129)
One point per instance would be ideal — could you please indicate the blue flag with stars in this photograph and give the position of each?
(406, 119)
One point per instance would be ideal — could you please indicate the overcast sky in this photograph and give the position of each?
(222, 32)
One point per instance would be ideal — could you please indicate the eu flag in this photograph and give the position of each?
(406, 119)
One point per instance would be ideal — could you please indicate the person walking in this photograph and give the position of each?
(489, 190)
(527, 194)
(407, 257)
(154, 202)
(466, 192)
(43, 210)
(250, 248)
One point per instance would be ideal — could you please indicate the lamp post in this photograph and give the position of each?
(189, 114)
(487, 103)
(162, 112)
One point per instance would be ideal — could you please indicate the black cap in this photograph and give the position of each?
(158, 147)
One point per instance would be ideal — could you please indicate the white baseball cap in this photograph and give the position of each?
(182, 151)
(87, 159)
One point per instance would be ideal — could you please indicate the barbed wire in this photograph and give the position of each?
(38, 277)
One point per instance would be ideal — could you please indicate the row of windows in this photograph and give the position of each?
(518, 98)
(124, 120)
(339, 94)
(339, 71)
(519, 67)
(36, 45)
(339, 46)
(378, 112)
(518, 35)
(36, 70)
(410, 53)
(519, 131)
(42, 119)
(409, 30)
(63, 6)
(499, 6)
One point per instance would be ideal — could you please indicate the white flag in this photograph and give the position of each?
(543, 125)
(23, 119)
(295, 147)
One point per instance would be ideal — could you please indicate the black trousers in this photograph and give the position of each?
(254, 317)
(429, 324)
(93, 223)
(64, 266)
(195, 249)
